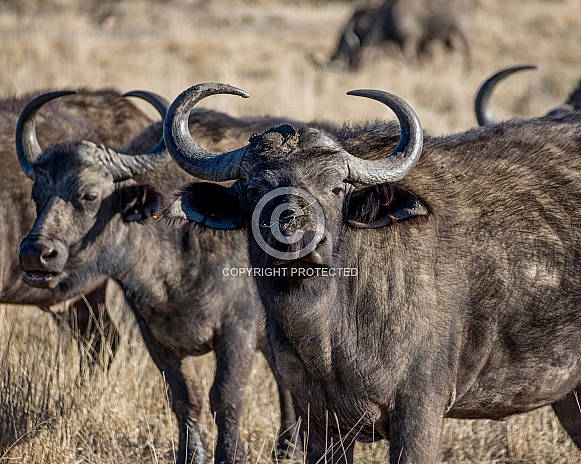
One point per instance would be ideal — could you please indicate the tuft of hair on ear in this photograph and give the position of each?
(140, 202)
(171, 214)
(372, 202)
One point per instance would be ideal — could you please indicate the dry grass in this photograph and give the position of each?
(50, 412)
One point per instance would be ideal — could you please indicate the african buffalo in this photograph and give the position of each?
(348, 49)
(94, 209)
(102, 116)
(412, 25)
(401, 290)
(482, 107)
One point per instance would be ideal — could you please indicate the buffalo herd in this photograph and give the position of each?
(414, 27)
(391, 278)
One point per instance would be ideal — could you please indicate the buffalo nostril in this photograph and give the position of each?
(35, 256)
(47, 254)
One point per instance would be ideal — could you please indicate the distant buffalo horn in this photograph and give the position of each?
(185, 151)
(27, 146)
(122, 166)
(157, 101)
(482, 106)
(396, 165)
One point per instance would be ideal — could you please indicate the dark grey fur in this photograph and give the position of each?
(466, 303)
(411, 25)
(173, 278)
(102, 116)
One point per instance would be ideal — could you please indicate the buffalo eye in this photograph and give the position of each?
(90, 196)
(337, 191)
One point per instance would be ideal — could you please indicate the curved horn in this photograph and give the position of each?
(185, 151)
(157, 101)
(482, 101)
(124, 166)
(27, 147)
(396, 165)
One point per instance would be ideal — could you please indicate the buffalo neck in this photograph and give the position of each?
(324, 325)
(155, 262)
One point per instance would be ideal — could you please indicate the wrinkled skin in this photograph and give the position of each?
(465, 303)
(173, 278)
(102, 116)
(412, 25)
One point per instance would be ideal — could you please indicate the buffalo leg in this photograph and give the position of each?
(568, 411)
(234, 354)
(416, 426)
(185, 398)
(289, 445)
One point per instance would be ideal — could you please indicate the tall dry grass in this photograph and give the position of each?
(51, 410)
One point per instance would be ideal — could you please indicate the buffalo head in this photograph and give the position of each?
(78, 187)
(296, 187)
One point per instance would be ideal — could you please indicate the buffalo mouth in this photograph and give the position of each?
(41, 279)
(313, 259)
(302, 269)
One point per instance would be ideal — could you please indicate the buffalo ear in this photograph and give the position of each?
(381, 206)
(207, 204)
(139, 202)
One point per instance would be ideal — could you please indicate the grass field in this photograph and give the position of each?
(50, 410)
